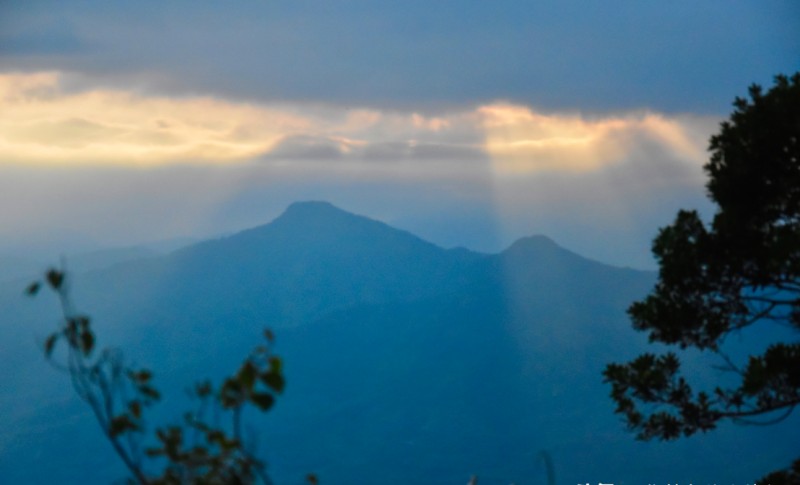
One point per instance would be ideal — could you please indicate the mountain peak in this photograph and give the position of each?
(320, 214)
(540, 247)
(315, 212)
(537, 242)
(312, 207)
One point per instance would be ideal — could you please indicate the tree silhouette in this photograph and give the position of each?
(741, 270)
(207, 448)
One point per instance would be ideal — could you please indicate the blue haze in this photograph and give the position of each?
(406, 362)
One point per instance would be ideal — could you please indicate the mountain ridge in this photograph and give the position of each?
(337, 259)
(325, 215)
(404, 361)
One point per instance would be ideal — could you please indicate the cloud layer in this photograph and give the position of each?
(46, 123)
(114, 166)
(43, 123)
(558, 54)
(523, 141)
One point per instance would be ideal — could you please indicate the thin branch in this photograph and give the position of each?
(746, 322)
(768, 422)
(78, 374)
(737, 415)
(729, 365)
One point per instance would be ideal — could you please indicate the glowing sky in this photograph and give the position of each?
(42, 124)
(469, 124)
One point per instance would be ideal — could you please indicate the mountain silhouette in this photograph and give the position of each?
(327, 257)
(405, 362)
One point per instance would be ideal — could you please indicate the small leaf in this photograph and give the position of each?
(121, 424)
(269, 335)
(150, 392)
(33, 288)
(82, 321)
(136, 409)
(229, 444)
(49, 344)
(55, 278)
(247, 375)
(141, 377)
(87, 342)
(275, 364)
(230, 394)
(274, 381)
(264, 401)
(173, 440)
(312, 479)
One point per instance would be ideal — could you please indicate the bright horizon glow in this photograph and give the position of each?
(198, 165)
(45, 124)
(523, 141)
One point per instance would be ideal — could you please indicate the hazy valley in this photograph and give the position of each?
(405, 362)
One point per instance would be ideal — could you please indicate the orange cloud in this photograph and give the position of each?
(44, 123)
(520, 140)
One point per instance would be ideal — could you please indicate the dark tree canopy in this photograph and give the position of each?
(741, 270)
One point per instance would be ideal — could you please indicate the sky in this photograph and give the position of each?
(468, 123)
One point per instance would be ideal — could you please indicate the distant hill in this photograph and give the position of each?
(14, 266)
(406, 362)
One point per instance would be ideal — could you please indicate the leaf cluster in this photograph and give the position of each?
(207, 448)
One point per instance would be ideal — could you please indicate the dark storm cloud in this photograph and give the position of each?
(675, 56)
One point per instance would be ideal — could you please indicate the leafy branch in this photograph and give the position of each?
(741, 270)
(199, 450)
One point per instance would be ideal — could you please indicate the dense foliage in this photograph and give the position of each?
(741, 270)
